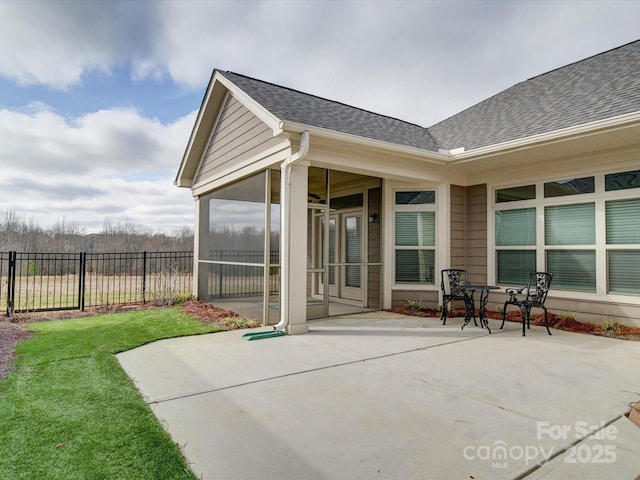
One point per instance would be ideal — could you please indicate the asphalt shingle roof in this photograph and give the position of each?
(602, 86)
(294, 106)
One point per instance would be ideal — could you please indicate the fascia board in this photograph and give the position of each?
(273, 122)
(424, 155)
(586, 129)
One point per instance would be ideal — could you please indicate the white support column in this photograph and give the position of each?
(297, 240)
(196, 245)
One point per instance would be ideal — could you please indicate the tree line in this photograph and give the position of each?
(26, 235)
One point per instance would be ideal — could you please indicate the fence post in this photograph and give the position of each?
(11, 284)
(144, 277)
(82, 269)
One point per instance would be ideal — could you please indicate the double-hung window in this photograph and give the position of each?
(415, 237)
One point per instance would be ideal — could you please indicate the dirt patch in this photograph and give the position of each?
(559, 322)
(10, 334)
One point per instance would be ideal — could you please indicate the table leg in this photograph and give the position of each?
(484, 299)
(469, 309)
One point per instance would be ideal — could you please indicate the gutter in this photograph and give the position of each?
(554, 136)
(436, 158)
(285, 224)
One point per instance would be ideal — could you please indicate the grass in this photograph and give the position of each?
(69, 411)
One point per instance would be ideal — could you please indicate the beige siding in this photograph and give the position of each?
(428, 298)
(476, 233)
(457, 227)
(238, 135)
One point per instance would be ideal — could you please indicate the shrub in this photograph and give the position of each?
(234, 323)
(610, 326)
(415, 305)
(181, 298)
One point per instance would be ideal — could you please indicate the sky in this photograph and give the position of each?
(98, 99)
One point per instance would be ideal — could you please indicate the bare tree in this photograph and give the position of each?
(26, 235)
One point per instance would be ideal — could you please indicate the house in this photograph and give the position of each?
(305, 206)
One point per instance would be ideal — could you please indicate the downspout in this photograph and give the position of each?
(285, 224)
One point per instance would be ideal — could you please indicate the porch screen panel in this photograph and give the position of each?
(232, 263)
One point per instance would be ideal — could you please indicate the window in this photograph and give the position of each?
(575, 186)
(623, 221)
(585, 231)
(515, 194)
(415, 237)
(571, 225)
(623, 267)
(415, 198)
(515, 229)
(623, 230)
(622, 181)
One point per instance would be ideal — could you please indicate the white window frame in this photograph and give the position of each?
(599, 197)
(427, 207)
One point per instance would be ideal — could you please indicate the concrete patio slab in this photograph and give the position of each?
(381, 395)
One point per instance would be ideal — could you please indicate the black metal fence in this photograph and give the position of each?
(65, 281)
(236, 280)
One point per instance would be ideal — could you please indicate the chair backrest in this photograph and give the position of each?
(538, 287)
(452, 281)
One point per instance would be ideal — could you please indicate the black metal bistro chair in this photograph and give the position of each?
(454, 287)
(535, 296)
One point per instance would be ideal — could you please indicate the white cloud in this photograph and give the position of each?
(418, 61)
(94, 166)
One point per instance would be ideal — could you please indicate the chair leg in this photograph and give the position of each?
(546, 322)
(504, 314)
(525, 318)
(445, 304)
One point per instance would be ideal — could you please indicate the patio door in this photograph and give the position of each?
(334, 267)
(350, 249)
(345, 247)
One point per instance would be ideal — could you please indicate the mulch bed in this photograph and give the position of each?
(558, 322)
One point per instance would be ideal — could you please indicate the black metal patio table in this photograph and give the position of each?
(482, 310)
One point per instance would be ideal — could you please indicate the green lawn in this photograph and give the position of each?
(70, 412)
